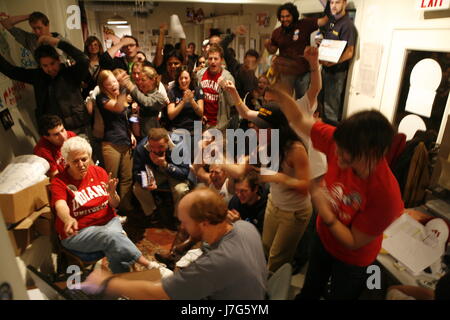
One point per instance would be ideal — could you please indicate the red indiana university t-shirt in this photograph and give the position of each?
(370, 204)
(210, 88)
(88, 204)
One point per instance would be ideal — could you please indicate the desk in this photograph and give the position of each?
(404, 277)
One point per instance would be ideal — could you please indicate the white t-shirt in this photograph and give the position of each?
(317, 160)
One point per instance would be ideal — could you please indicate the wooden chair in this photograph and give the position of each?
(66, 257)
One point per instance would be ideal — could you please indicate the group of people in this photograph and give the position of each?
(129, 114)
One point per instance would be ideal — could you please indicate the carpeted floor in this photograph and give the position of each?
(149, 237)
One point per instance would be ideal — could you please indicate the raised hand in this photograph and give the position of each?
(188, 95)
(311, 54)
(111, 185)
(240, 29)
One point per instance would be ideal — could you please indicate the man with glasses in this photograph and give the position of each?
(153, 169)
(128, 45)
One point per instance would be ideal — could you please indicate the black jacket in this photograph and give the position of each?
(60, 95)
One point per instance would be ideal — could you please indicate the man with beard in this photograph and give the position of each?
(291, 38)
(334, 75)
(232, 266)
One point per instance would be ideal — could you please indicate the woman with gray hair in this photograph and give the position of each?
(84, 197)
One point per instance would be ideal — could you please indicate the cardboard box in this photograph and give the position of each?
(19, 205)
(21, 239)
(30, 228)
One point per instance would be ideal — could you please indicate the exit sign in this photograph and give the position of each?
(433, 5)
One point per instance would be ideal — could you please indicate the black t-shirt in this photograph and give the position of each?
(342, 29)
(116, 124)
(252, 213)
(185, 119)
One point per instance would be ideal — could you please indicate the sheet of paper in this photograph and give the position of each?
(331, 50)
(413, 253)
(369, 67)
(407, 224)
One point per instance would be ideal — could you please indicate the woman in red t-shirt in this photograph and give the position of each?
(360, 200)
(84, 197)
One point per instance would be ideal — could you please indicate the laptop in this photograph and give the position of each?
(53, 292)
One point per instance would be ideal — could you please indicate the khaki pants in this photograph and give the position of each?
(282, 232)
(119, 162)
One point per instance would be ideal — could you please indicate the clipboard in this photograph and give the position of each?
(331, 50)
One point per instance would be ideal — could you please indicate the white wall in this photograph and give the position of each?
(219, 15)
(385, 24)
(388, 23)
(21, 138)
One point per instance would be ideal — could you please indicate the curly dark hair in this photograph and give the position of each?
(291, 8)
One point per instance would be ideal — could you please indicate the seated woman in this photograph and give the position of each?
(84, 197)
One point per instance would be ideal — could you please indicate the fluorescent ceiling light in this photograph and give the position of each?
(116, 19)
(123, 27)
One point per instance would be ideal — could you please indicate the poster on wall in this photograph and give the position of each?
(369, 67)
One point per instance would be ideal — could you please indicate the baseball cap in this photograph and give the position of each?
(270, 116)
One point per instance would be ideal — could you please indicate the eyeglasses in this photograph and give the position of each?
(129, 46)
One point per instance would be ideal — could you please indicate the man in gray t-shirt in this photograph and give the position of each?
(40, 25)
(233, 266)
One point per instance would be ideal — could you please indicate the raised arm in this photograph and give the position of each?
(287, 104)
(158, 60)
(311, 54)
(17, 73)
(81, 66)
(244, 111)
(10, 22)
(271, 47)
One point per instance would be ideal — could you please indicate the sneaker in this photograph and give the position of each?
(123, 219)
(155, 265)
(167, 259)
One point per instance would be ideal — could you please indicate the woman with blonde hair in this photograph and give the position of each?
(118, 141)
(149, 94)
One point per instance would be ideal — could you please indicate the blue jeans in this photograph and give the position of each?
(347, 281)
(111, 239)
(302, 84)
(298, 83)
(333, 85)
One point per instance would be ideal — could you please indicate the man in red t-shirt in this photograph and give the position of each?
(53, 134)
(217, 102)
(361, 199)
(291, 38)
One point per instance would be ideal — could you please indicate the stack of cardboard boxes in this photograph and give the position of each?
(27, 215)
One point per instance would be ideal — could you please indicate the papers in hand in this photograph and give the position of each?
(331, 50)
(407, 241)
